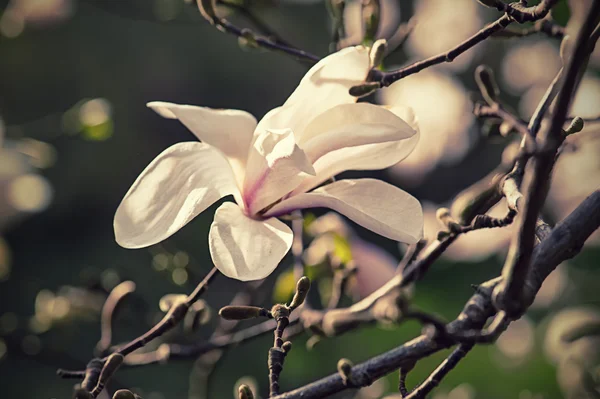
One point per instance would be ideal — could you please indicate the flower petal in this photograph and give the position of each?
(228, 130)
(374, 204)
(364, 157)
(276, 166)
(244, 248)
(324, 86)
(352, 125)
(180, 183)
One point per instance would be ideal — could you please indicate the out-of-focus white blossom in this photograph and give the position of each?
(23, 190)
(445, 117)
(442, 25)
(272, 168)
(20, 13)
(572, 343)
(530, 63)
(517, 342)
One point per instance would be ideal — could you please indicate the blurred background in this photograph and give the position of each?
(75, 76)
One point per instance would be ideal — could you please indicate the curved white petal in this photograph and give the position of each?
(228, 130)
(364, 157)
(324, 86)
(276, 166)
(244, 248)
(178, 184)
(374, 204)
(352, 125)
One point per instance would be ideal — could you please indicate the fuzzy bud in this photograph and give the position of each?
(244, 392)
(576, 126)
(344, 368)
(364, 89)
(377, 52)
(302, 287)
(242, 312)
(287, 346)
(444, 217)
(247, 40)
(484, 77)
(168, 301)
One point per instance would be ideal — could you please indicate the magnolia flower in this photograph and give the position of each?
(272, 168)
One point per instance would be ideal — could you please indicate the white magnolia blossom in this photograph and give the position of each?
(272, 168)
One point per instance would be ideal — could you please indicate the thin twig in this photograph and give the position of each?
(546, 26)
(207, 10)
(96, 367)
(262, 27)
(108, 311)
(443, 369)
(389, 77)
(412, 252)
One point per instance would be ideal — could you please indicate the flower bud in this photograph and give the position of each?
(302, 288)
(167, 301)
(247, 40)
(576, 126)
(505, 128)
(377, 52)
(364, 89)
(344, 368)
(484, 77)
(279, 311)
(444, 217)
(287, 346)
(242, 312)
(244, 392)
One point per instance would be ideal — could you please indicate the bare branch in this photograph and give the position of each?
(536, 182)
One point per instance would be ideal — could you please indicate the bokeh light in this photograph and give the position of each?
(444, 115)
(517, 342)
(442, 25)
(530, 63)
(29, 193)
(39, 13)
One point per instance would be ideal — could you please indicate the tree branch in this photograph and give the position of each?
(536, 181)
(564, 242)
